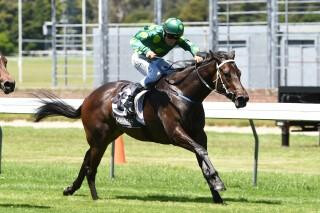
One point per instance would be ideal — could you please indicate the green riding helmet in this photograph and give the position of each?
(174, 27)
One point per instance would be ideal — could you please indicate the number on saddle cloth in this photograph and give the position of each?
(127, 95)
(123, 109)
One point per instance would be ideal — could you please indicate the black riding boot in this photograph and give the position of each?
(129, 104)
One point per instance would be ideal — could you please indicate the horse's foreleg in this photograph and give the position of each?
(183, 139)
(209, 172)
(78, 181)
(214, 181)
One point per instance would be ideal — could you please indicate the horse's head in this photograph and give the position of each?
(7, 84)
(227, 78)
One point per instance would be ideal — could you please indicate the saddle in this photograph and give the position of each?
(122, 115)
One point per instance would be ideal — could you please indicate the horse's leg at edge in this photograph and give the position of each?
(98, 145)
(98, 139)
(78, 181)
(211, 180)
(96, 154)
(91, 160)
(209, 172)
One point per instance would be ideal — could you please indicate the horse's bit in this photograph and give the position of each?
(217, 78)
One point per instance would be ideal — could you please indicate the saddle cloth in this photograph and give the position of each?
(120, 113)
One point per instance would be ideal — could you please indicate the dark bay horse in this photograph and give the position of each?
(173, 114)
(7, 84)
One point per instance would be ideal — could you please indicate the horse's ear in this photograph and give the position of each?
(215, 57)
(232, 54)
(210, 55)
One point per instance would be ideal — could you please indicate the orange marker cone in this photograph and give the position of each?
(119, 154)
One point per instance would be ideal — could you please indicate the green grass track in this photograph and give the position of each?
(38, 163)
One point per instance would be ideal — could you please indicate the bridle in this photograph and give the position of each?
(218, 74)
(215, 89)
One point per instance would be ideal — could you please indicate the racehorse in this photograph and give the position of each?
(7, 84)
(173, 113)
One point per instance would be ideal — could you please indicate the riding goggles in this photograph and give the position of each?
(172, 36)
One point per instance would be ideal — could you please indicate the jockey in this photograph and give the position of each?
(152, 43)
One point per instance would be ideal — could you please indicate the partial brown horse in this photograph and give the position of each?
(173, 114)
(7, 84)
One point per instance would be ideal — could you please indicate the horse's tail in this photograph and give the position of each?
(55, 107)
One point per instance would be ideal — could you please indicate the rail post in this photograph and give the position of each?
(256, 152)
(285, 132)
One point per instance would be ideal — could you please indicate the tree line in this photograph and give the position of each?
(37, 12)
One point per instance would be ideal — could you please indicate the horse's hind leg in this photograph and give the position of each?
(96, 154)
(89, 169)
(98, 140)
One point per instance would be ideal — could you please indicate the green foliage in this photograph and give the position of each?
(6, 46)
(131, 11)
(194, 10)
(136, 16)
(35, 13)
(8, 26)
(172, 8)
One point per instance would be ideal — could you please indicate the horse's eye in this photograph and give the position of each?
(227, 74)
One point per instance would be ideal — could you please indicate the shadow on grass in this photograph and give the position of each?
(11, 205)
(244, 200)
(164, 198)
(81, 195)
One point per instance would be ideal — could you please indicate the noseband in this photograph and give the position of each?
(217, 78)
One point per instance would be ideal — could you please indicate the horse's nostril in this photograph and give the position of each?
(241, 101)
(9, 85)
(6, 84)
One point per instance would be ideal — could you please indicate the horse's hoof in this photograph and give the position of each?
(95, 197)
(216, 197)
(68, 191)
(219, 201)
